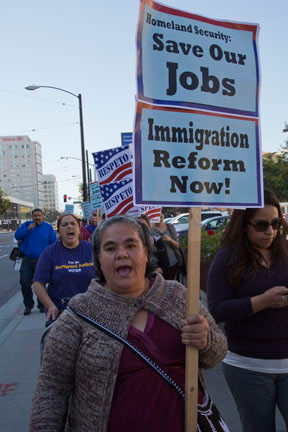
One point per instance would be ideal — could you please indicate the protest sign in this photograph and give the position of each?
(69, 209)
(196, 62)
(118, 198)
(126, 138)
(193, 158)
(113, 165)
(152, 212)
(86, 209)
(196, 137)
(95, 196)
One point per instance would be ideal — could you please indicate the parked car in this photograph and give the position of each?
(213, 224)
(184, 217)
(211, 214)
(179, 219)
(168, 219)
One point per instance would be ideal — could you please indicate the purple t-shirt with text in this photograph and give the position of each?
(66, 271)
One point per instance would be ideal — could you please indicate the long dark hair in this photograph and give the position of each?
(242, 255)
(143, 233)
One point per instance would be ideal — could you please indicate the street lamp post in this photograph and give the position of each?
(79, 97)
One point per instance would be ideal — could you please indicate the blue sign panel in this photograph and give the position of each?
(126, 138)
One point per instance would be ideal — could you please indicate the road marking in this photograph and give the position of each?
(4, 388)
(3, 256)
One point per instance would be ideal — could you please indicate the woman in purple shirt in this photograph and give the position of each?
(64, 269)
(247, 290)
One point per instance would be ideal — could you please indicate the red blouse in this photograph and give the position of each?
(142, 400)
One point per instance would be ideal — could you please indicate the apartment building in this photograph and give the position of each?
(51, 197)
(21, 169)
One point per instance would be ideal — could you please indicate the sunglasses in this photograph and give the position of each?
(262, 225)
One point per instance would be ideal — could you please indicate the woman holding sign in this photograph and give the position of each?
(100, 381)
(247, 289)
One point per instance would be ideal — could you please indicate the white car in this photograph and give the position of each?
(184, 217)
(168, 219)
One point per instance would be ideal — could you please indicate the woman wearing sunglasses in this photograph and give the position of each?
(247, 290)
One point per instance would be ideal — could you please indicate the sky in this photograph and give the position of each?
(89, 47)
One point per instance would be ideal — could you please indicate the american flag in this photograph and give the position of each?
(152, 212)
(113, 165)
(118, 198)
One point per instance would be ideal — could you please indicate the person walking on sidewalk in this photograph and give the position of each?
(65, 268)
(88, 382)
(92, 224)
(167, 247)
(247, 290)
(34, 237)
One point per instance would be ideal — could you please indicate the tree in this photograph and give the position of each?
(275, 172)
(80, 190)
(50, 215)
(4, 202)
(28, 215)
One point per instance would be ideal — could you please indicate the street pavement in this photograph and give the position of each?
(9, 282)
(20, 360)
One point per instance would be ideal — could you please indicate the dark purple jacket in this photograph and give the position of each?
(91, 228)
(261, 335)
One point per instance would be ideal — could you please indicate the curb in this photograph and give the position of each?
(10, 328)
(9, 307)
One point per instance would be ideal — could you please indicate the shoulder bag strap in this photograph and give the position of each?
(132, 348)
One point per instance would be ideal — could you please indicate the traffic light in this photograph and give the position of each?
(65, 198)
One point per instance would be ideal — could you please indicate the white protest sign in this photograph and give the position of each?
(95, 196)
(192, 158)
(113, 165)
(118, 198)
(69, 209)
(196, 62)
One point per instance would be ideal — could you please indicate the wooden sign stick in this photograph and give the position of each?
(193, 294)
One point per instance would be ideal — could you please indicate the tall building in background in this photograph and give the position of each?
(51, 198)
(21, 169)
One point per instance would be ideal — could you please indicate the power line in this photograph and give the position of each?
(44, 128)
(36, 98)
(58, 181)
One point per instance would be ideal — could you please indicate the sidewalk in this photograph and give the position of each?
(20, 359)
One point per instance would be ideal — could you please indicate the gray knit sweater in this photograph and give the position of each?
(80, 363)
